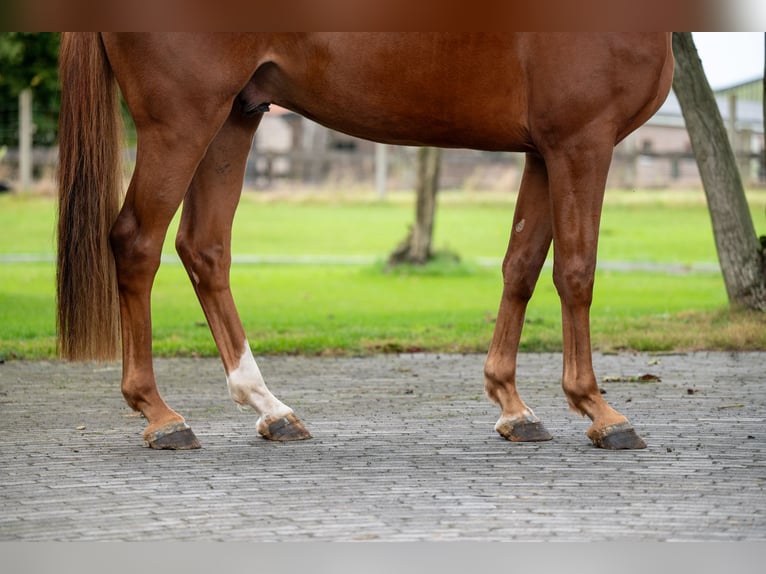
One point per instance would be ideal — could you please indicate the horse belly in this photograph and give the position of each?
(447, 90)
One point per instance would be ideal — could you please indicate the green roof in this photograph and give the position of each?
(751, 91)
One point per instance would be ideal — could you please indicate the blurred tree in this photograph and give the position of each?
(740, 252)
(416, 247)
(29, 60)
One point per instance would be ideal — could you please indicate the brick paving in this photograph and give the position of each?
(403, 449)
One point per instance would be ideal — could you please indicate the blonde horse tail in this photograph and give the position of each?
(89, 186)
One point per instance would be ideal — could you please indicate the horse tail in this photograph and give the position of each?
(89, 188)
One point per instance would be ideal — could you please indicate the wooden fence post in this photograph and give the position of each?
(25, 139)
(381, 169)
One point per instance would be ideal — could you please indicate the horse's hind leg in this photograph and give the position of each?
(528, 247)
(204, 244)
(166, 160)
(578, 177)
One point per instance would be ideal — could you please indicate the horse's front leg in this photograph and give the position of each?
(578, 178)
(528, 247)
(204, 244)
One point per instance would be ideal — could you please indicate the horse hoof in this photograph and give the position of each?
(284, 429)
(527, 429)
(173, 436)
(621, 436)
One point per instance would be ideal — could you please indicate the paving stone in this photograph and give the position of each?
(403, 449)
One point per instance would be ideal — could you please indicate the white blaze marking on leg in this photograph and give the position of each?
(247, 387)
(520, 226)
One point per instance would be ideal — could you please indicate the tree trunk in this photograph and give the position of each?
(739, 251)
(25, 140)
(416, 247)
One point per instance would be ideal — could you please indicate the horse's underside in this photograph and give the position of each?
(197, 99)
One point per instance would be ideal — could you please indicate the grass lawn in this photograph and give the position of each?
(359, 309)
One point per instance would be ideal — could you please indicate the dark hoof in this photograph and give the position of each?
(175, 436)
(617, 437)
(284, 429)
(523, 430)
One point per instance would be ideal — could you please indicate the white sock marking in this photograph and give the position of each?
(247, 387)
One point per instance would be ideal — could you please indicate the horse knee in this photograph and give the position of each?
(519, 278)
(135, 255)
(207, 266)
(498, 372)
(574, 281)
(124, 230)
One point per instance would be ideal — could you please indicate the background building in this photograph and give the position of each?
(289, 149)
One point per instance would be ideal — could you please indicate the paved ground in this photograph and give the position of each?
(404, 450)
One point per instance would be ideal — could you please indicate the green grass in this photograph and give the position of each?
(449, 307)
(636, 226)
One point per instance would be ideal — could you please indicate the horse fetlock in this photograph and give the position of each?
(584, 398)
(596, 409)
(573, 406)
(239, 394)
(265, 404)
(492, 391)
(247, 387)
(135, 399)
(498, 381)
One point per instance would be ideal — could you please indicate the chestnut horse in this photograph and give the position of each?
(564, 100)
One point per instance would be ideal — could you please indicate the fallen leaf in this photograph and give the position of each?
(646, 378)
(81, 427)
(367, 536)
(736, 406)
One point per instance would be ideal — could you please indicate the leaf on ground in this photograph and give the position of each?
(645, 378)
